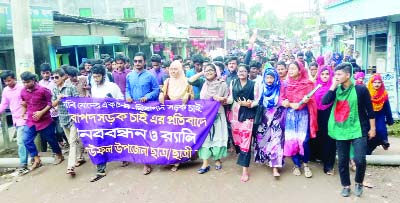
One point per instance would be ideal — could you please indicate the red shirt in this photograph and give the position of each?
(36, 100)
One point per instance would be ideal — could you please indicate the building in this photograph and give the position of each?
(375, 27)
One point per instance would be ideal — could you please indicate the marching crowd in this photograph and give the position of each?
(286, 105)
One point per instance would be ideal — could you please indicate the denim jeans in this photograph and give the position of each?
(22, 152)
(360, 151)
(47, 134)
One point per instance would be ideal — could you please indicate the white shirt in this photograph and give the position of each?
(107, 88)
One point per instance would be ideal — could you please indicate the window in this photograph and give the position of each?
(168, 14)
(129, 13)
(85, 12)
(201, 13)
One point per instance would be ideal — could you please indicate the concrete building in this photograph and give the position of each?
(375, 31)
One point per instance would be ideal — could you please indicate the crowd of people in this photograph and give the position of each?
(287, 105)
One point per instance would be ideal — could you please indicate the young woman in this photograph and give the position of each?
(176, 87)
(326, 145)
(312, 71)
(244, 96)
(301, 117)
(359, 78)
(270, 135)
(215, 145)
(383, 112)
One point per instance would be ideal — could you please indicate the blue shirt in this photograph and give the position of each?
(196, 90)
(142, 84)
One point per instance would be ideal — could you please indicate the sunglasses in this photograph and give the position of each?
(138, 61)
(56, 77)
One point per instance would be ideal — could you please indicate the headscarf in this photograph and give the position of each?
(270, 96)
(379, 96)
(178, 85)
(297, 89)
(319, 94)
(320, 61)
(216, 87)
(357, 76)
(337, 60)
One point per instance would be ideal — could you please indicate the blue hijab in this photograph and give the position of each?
(337, 60)
(270, 96)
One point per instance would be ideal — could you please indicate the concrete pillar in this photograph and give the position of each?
(391, 42)
(22, 37)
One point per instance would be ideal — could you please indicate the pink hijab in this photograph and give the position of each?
(319, 94)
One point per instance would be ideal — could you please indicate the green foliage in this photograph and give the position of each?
(394, 130)
(291, 26)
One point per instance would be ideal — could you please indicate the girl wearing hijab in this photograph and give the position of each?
(359, 78)
(320, 61)
(337, 58)
(383, 112)
(244, 96)
(326, 146)
(270, 135)
(301, 117)
(215, 145)
(176, 87)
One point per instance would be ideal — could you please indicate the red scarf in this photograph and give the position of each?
(296, 89)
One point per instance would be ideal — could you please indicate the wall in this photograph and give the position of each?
(361, 9)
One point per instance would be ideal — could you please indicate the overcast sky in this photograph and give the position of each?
(283, 7)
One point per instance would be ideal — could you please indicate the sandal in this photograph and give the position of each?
(97, 177)
(71, 171)
(245, 177)
(80, 162)
(175, 168)
(218, 165)
(203, 170)
(331, 172)
(276, 173)
(296, 171)
(307, 172)
(147, 170)
(124, 164)
(36, 165)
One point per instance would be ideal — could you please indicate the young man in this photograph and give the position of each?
(120, 73)
(156, 69)
(62, 90)
(282, 70)
(108, 64)
(352, 122)
(79, 81)
(11, 97)
(37, 101)
(141, 86)
(47, 82)
(103, 89)
(197, 68)
(232, 68)
(254, 73)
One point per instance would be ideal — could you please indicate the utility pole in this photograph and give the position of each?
(4, 126)
(225, 31)
(22, 36)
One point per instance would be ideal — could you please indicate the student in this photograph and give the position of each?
(383, 112)
(352, 120)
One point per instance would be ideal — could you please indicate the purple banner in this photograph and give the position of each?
(147, 133)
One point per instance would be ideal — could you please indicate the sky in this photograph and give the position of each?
(283, 7)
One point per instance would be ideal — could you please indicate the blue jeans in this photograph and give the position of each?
(298, 158)
(22, 153)
(47, 134)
